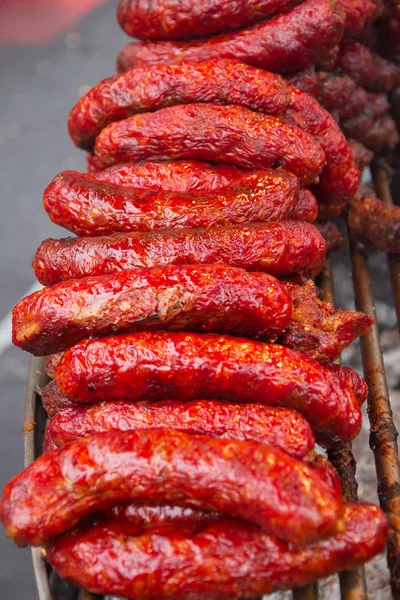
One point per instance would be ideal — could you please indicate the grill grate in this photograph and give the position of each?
(383, 434)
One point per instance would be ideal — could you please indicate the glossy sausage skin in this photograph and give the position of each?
(152, 88)
(279, 248)
(193, 176)
(221, 134)
(246, 479)
(375, 223)
(340, 178)
(176, 297)
(171, 20)
(229, 559)
(146, 89)
(317, 328)
(145, 515)
(85, 206)
(351, 380)
(303, 36)
(367, 68)
(183, 366)
(285, 429)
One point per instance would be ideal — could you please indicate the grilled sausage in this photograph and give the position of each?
(285, 429)
(183, 366)
(241, 478)
(170, 20)
(230, 559)
(186, 297)
(303, 36)
(226, 134)
(85, 206)
(278, 248)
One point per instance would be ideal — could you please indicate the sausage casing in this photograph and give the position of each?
(184, 366)
(246, 479)
(230, 559)
(186, 297)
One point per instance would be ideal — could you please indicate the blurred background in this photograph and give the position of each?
(52, 52)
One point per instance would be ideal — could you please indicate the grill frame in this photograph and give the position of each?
(383, 438)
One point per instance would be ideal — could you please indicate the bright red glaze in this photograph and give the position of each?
(340, 93)
(362, 156)
(85, 206)
(340, 178)
(205, 298)
(375, 223)
(221, 134)
(246, 479)
(367, 68)
(278, 248)
(146, 89)
(317, 328)
(144, 515)
(351, 380)
(333, 237)
(289, 42)
(171, 20)
(285, 429)
(173, 176)
(229, 559)
(305, 80)
(184, 366)
(360, 13)
(53, 400)
(221, 81)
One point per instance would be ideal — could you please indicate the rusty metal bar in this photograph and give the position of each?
(383, 436)
(382, 187)
(352, 583)
(308, 592)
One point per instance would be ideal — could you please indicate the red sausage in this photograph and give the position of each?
(366, 68)
(85, 206)
(53, 400)
(230, 559)
(187, 297)
(283, 428)
(193, 176)
(147, 89)
(340, 178)
(246, 479)
(221, 134)
(303, 36)
(171, 20)
(184, 366)
(144, 515)
(278, 248)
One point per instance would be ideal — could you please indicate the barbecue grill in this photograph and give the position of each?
(383, 434)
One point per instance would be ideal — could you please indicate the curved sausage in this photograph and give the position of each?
(221, 134)
(279, 248)
(147, 89)
(171, 20)
(229, 559)
(184, 366)
(246, 479)
(285, 429)
(303, 36)
(186, 297)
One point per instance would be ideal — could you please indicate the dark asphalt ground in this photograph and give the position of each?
(38, 87)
